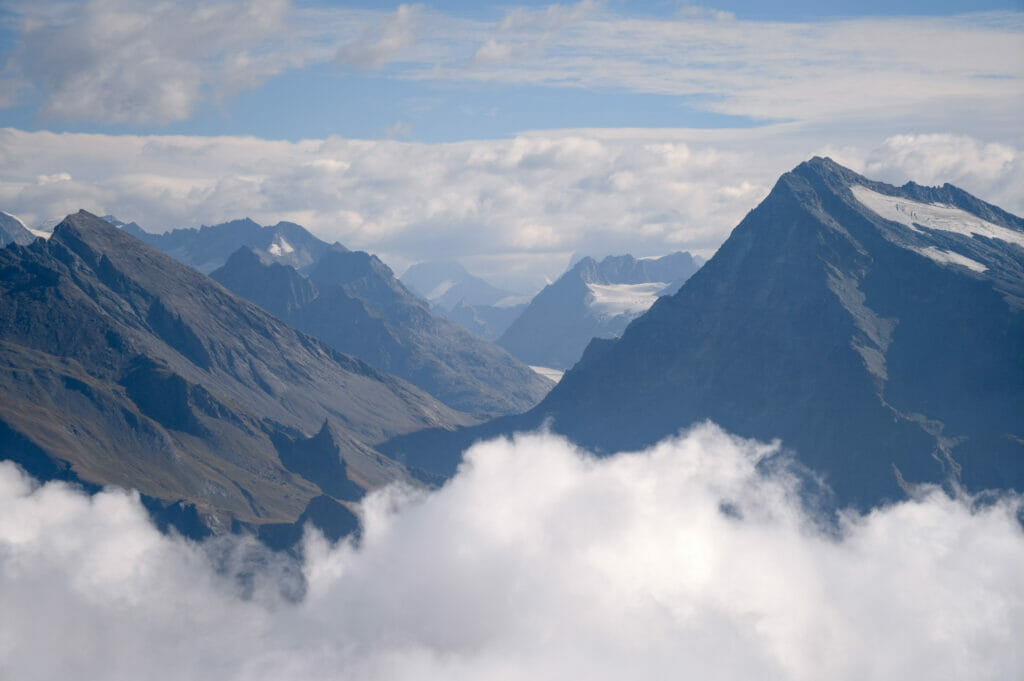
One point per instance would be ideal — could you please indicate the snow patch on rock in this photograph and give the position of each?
(615, 299)
(915, 215)
(950, 258)
(280, 247)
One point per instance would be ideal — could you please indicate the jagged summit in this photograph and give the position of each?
(209, 247)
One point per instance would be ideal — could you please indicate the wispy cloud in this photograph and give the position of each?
(128, 61)
(122, 61)
(525, 33)
(384, 41)
(774, 70)
(535, 562)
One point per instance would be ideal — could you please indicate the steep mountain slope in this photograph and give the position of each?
(207, 248)
(446, 283)
(352, 301)
(12, 230)
(486, 321)
(472, 302)
(591, 300)
(122, 366)
(878, 331)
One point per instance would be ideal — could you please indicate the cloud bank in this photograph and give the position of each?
(515, 209)
(535, 562)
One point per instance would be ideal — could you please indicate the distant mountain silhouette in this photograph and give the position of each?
(207, 248)
(592, 300)
(467, 300)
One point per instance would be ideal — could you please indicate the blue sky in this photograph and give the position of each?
(567, 101)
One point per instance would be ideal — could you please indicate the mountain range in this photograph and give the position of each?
(876, 330)
(122, 366)
(591, 300)
(209, 247)
(351, 300)
(464, 298)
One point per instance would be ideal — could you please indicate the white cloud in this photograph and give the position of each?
(526, 32)
(938, 68)
(516, 209)
(138, 62)
(535, 562)
(130, 61)
(383, 42)
(957, 159)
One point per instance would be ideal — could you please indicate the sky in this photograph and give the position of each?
(509, 136)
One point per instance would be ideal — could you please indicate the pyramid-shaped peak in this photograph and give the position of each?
(83, 222)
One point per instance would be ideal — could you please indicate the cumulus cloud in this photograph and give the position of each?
(515, 208)
(957, 159)
(536, 561)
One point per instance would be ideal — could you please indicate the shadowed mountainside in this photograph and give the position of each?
(122, 366)
(352, 301)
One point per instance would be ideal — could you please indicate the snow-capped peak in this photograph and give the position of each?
(15, 218)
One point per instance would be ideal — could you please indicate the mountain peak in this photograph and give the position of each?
(88, 228)
(13, 230)
(871, 328)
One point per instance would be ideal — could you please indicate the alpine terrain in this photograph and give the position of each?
(12, 230)
(592, 300)
(464, 298)
(121, 366)
(352, 301)
(208, 247)
(878, 331)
